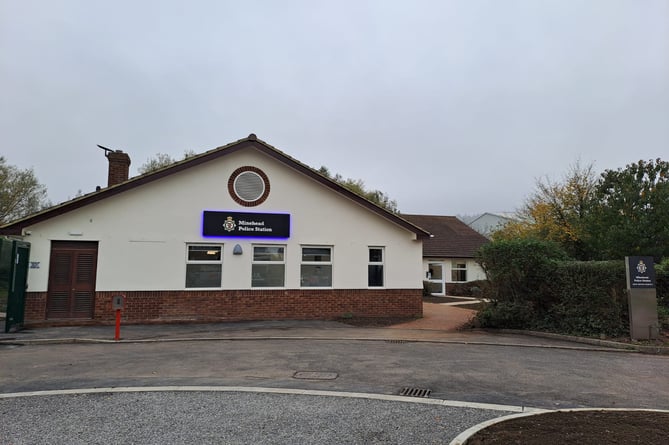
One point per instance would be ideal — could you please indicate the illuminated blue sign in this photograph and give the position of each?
(252, 225)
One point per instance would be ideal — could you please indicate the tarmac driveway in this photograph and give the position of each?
(510, 375)
(514, 371)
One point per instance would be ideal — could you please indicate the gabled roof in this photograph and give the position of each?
(506, 216)
(16, 227)
(451, 237)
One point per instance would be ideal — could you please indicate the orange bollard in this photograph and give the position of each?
(117, 304)
(117, 335)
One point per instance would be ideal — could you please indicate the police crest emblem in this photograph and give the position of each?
(229, 224)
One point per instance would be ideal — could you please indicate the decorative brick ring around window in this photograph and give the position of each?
(248, 186)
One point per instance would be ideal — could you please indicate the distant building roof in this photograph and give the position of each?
(488, 222)
(451, 237)
(509, 216)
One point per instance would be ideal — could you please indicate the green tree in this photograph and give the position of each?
(558, 211)
(20, 193)
(358, 186)
(632, 212)
(160, 160)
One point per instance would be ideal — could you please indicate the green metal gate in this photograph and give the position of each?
(14, 263)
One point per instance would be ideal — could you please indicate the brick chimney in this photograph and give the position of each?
(119, 167)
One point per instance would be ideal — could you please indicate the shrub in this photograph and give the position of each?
(532, 285)
(662, 289)
(663, 316)
(519, 269)
(590, 299)
(506, 314)
(468, 289)
(429, 288)
(662, 284)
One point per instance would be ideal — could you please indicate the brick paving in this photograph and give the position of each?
(440, 317)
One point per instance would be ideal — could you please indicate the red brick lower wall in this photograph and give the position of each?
(240, 305)
(35, 306)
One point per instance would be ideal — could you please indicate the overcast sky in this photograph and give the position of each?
(449, 106)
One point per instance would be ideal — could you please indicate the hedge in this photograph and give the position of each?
(532, 285)
(662, 286)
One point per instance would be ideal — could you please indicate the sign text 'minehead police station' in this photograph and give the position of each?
(640, 272)
(238, 224)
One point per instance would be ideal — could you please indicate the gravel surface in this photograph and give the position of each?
(230, 418)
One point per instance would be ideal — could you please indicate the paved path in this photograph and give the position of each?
(441, 317)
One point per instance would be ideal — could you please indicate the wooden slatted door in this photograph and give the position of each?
(72, 273)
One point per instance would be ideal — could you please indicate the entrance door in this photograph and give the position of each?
(436, 278)
(72, 270)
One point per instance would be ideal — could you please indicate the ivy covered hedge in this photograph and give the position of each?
(662, 286)
(533, 285)
(662, 283)
(590, 299)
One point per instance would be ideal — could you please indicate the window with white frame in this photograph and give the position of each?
(459, 271)
(316, 267)
(375, 267)
(204, 265)
(269, 266)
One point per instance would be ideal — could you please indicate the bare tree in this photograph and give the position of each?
(20, 193)
(160, 160)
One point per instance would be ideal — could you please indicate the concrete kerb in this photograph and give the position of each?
(290, 391)
(55, 341)
(635, 347)
(379, 334)
(463, 437)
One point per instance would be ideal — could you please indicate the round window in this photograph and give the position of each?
(248, 186)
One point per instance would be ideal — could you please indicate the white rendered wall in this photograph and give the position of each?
(143, 233)
(474, 270)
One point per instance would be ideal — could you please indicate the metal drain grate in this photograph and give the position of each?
(415, 392)
(396, 341)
